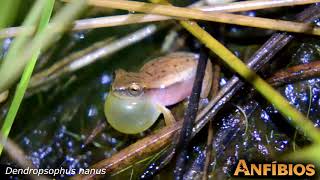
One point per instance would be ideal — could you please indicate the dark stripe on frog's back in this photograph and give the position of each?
(169, 69)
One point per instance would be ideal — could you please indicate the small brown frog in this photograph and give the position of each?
(137, 99)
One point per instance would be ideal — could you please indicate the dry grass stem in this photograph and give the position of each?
(120, 20)
(295, 73)
(256, 4)
(18, 155)
(88, 56)
(188, 13)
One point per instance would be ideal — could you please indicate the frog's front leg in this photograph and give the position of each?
(168, 116)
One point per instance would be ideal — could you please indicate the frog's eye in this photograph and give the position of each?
(135, 89)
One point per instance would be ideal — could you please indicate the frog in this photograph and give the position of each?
(137, 99)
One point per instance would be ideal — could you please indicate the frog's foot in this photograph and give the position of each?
(168, 116)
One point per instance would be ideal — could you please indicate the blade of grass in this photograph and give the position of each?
(307, 154)
(30, 20)
(23, 84)
(12, 68)
(8, 12)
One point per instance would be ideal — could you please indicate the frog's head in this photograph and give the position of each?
(126, 109)
(128, 84)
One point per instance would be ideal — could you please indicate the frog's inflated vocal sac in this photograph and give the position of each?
(137, 99)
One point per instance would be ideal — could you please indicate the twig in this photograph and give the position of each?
(190, 116)
(295, 73)
(142, 148)
(159, 163)
(209, 149)
(97, 130)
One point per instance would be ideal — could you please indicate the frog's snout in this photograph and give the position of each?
(130, 115)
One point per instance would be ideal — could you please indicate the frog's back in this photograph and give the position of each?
(170, 69)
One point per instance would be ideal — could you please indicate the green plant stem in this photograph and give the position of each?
(23, 84)
(8, 12)
(12, 68)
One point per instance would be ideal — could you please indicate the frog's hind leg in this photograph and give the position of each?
(168, 116)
